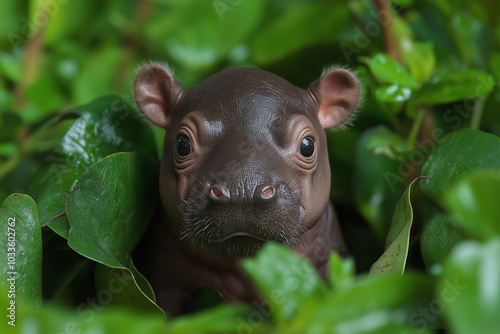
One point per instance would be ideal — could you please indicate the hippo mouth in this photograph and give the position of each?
(240, 244)
(239, 235)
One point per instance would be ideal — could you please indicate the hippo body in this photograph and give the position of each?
(245, 162)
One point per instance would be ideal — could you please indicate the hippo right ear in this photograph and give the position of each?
(337, 93)
(156, 92)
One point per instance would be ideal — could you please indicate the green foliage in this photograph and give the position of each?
(321, 18)
(473, 201)
(375, 197)
(469, 286)
(292, 280)
(103, 127)
(439, 235)
(430, 73)
(22, 249)
(398, 239)
(459, 153)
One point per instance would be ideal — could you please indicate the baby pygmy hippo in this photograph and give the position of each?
(245, 161)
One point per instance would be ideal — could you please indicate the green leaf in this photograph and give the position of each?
(37, 94)
(221, 319)
(67, 19)
(388, 70)
(105, 215)
(377, 304)
(287, 34)
(455, 86)
(398, 239)
(456, 154)
(393, 93)
(199, 33)
(378, 181)
(385, 142)
(105, 126)
(439, 235)
(89, 319)
(341, 272)
(103, 61)
(420, 59)
(127, 287)
(21, 251)
(284, 279)
(468, 33)
(473, 200)
(469, 288)
(107, 220)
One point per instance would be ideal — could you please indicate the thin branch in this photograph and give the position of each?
(390, 40)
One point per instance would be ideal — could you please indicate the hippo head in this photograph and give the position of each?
(245, 159)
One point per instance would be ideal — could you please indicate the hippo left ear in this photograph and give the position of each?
(156, 92)
(337, 93)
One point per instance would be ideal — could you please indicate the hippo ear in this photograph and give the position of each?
(156, 92)
(337, 93)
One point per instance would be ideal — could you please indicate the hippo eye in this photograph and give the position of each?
(307, 147)
(184, 146)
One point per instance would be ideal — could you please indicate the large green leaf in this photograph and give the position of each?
(474, 201)
(455, 86)
(105, 212)
(469, 288)
(381, 304)
(285, 280)
(108, 212)
(21, 252)
(388, 70)
(458, 153)
(105, 126)
(398, 239)
(301, 26)
(439, 235)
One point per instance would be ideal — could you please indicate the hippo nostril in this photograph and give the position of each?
(267, 192)
(216, 193)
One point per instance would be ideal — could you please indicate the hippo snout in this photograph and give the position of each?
(238, 220)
